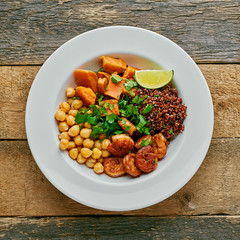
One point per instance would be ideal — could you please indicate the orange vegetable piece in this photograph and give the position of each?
(111, 104)
(102, 84)
(87, 95)
(127, 123)
(112, 65)
(114, 90)
(104, 75)
(86, 78)
(129, 72)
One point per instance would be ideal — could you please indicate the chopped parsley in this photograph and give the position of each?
(170, 131)
(157, 95)
(100, 69)
(145, 143)
(148, 109)
(137, 100)
(130, 84)
(116, 79)
(76, 98)
(100, 98)
(109, 106)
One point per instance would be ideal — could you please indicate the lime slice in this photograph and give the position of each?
(153, 78)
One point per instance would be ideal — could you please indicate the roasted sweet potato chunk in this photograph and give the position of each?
(112, 65)
(87, 95)
(86, 78)
(102, 84)
(114, 90)
(104, 75)
(111, 105)
(129, 72)
(124, 123)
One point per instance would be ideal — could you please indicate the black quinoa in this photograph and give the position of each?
(168, 112)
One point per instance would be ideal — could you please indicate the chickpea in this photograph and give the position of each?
(85, 132)
(70, 100)
(71, 145)
(76, 104)
(73, 153)
(87, 125)
(88, 143)
(63, 127)
(96, 153)
(98, 168)
(81, 159)
(63, 144)
(64, 135)
(78, 140)
(102, 136)
(100, 160)
(105, 153)
(60, 115)
(98, 144)
(86, 152)
(90, 162)
(74, 131)
(64, 106)
(71, 120)
(105, 143)
(70, 92)
(73, 112)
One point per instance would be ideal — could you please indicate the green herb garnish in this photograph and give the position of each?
(130, 84)
(148, 109)
(116, 79)
(76, 98)
(170, 131)
(145, 143)
(156, 95)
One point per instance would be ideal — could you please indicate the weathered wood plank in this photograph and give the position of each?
(32, 30)
(214, 189)
(121, 228)
(223, 80)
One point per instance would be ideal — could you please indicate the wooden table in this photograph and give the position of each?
(207, 207)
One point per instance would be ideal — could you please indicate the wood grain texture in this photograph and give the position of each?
(214, 189)
(121, 228)
(223, 81)
(32, 30)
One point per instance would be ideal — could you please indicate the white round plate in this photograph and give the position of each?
(140, 48)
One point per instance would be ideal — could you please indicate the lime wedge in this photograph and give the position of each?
(153, 78)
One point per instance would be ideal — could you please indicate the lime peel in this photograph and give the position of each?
(153, 78)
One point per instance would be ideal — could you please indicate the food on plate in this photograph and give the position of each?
(120, 119)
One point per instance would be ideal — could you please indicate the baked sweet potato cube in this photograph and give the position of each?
(129, 72)
(104, 75)
(102, 84)
(112, 65)
(86, 78)
(124, 123)
(115, 90)
(87, 95)
(111, 106)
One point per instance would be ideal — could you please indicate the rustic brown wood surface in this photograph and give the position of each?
(119, 228)
(209, 31)
(32, 30)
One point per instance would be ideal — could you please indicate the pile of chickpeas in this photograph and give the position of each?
(75, 138)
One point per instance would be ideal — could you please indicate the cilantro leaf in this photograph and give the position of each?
(148, 109)
(130, 84)
(145, 143)
(111, 118)
(80, 118)
(76, 98)
(116, 79)
(170, 131)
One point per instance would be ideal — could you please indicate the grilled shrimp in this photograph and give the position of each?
(113, 167)
(121, 145)
(146, 159)
(143, 138)
(160, 145)
(129, 165)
